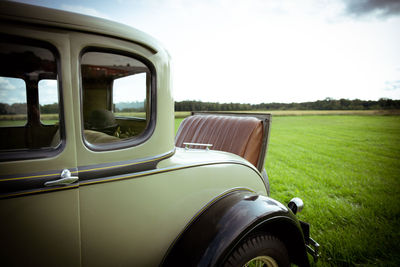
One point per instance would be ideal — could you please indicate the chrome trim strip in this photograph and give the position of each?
(36, 191)
(52, 174)
(120, 168)
(157, 171)
(24, 184)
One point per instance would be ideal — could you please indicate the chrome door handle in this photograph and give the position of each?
(66, 179)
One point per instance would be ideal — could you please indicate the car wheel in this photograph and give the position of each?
(259, 250)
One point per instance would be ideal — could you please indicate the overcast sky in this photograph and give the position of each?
(254, 51)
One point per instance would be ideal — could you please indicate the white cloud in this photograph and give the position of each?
(48, 92)
(264, 51)
(373, 8)
(84, 10)
(391, 88)
(6, 85)
(12, 90)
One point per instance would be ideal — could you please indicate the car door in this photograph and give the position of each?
(38, 172)
(118, 140)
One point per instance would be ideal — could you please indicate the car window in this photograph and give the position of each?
(48, 99)
(12, 102)
(115, 97)
(28, 87)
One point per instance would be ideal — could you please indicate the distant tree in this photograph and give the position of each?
(3, 108)
(325, 104)
(49, 109)
(18, 108)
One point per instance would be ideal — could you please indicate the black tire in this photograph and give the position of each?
(261, 247)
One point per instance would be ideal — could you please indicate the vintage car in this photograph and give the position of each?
(92, 174)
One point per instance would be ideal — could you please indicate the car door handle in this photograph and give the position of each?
(65, 179)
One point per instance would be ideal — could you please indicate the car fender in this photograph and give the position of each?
(215, 231)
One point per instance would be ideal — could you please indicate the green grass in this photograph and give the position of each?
(20, 120)
(14, 123)
(347, 171)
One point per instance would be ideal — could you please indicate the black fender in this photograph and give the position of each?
(213, 233)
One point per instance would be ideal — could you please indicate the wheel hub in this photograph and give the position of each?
(261, 261)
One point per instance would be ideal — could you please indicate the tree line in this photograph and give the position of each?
(21, 108)
(326, 104)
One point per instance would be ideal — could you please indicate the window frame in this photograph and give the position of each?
(151, 102)
(43, 152)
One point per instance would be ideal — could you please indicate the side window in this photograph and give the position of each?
(12, 102)
(115, 97)
(48, 99)
(29, 113)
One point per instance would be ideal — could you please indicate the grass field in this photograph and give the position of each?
(21, 120)
(13, 123)
(347, 171)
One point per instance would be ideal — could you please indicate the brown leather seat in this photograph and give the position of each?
(239, 135)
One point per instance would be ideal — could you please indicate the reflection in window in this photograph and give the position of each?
(12, 102)
(28, 75)
(126, 102)
(48, 99)
(115, 97)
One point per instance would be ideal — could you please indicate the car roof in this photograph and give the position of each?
(12, 11)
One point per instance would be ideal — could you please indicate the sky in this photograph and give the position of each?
(254, 51)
